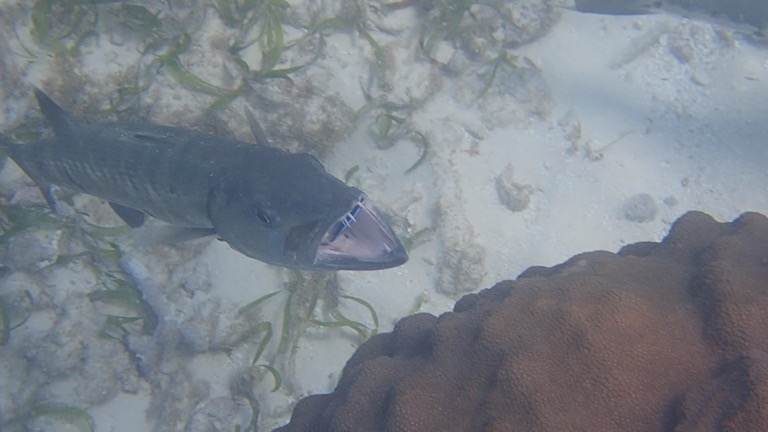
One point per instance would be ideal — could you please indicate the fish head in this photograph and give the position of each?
(293, 213)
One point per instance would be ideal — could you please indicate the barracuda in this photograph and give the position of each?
(277, 207)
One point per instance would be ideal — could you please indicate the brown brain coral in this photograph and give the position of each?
(669, 336)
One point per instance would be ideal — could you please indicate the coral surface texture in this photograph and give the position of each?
(669, 336)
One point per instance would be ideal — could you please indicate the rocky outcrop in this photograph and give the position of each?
(669, 336)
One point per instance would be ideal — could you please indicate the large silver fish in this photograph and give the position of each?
(271, 205)
(750, 16)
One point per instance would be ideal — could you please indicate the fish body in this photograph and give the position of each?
(750, 16)
(278, 207)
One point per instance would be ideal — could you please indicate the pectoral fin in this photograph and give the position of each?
(154, 235)
(134, 218)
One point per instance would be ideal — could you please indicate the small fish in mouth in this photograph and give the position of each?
(351, 233)
(277, 207)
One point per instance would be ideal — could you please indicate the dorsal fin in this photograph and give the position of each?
(56, 116)
(256, 129)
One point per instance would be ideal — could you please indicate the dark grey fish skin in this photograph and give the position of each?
(271, 205)
(750, 16)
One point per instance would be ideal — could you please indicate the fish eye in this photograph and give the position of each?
(266, 217)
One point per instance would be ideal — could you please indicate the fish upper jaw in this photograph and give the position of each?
(360, 240)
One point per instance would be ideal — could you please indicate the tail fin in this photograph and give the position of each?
(58, 118)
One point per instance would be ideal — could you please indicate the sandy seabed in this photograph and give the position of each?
(604, 131)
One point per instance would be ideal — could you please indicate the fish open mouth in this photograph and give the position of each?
(360, 240)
